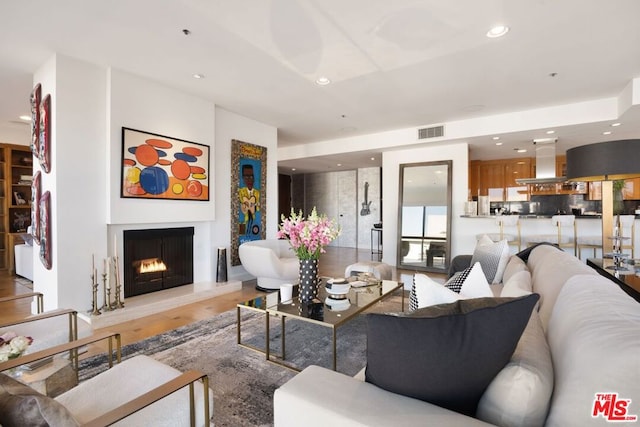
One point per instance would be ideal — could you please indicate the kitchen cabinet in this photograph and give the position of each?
(561, 165)
(630, 191)
(496, 178)
(492, 180)
(474, 178)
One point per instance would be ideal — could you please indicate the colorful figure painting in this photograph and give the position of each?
(248, 190)
(160, 167)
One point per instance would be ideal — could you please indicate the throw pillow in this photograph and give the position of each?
(470, 282)
(493, 256)
(514, 265)
(446, 354)
(520, 394)
(426, 292)
(519, 284)
(20, 405)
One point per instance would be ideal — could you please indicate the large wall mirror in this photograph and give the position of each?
(424, 226)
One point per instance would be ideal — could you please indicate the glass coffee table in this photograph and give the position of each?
(329, 313)
(258, 304)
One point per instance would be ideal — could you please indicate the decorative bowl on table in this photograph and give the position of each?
(337, 304)
(337, 288)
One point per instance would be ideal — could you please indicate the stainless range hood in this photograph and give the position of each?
(545, 163)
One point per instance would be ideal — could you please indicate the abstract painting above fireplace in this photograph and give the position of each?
(157, 259)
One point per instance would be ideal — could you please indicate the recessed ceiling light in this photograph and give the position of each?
(495, 138)
(615, 124)
(25, 117)
(198, 76)
(550, 132)
(373, 158)
(607, 132)
(339, 164)
(293, 169)
(521, 150)
(323, 81)
(497, 31)
(498, 143)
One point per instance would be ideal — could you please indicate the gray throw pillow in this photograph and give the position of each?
(446, 354)
(22, 406)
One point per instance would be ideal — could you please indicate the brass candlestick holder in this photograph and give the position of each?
(95, 311)
(118, 303)
(107, 297)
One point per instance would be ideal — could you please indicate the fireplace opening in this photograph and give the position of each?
(157, 259)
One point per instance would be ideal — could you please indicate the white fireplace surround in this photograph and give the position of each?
(156, 302)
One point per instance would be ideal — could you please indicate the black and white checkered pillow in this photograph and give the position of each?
(457, 280)
(470, 283)
(413, 297)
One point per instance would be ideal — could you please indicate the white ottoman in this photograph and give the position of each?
(380, 270)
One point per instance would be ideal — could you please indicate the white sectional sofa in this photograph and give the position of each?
(586, 342)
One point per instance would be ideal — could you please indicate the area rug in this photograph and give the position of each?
(243, 382)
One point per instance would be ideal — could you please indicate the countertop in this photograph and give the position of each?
(533, 216)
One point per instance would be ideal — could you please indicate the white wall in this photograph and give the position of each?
(90, 105)
(140, 104)
(76, 180)
(391, 161)
(234, 126)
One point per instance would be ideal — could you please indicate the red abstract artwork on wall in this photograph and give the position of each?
(160, 167)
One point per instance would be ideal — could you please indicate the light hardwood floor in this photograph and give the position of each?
(331, 264)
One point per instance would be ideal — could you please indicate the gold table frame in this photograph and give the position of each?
(331, 319)
(271, 306)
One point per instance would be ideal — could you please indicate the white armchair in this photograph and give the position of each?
(272, 262)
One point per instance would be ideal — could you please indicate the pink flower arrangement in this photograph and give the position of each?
(13, 345)
(308, 237)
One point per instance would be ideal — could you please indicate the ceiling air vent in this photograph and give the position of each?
(431, 132)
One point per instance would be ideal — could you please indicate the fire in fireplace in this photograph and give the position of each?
(152, 265)
(156, 259)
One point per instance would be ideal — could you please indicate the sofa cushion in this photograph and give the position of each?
(470, 282)
(514, 265)
(519, 395)
(594, 338)
(445, 354)
(493, 256)
(519, 284)
(20, 405)
(550, 268)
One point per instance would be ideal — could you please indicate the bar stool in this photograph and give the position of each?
(588, 242)
(562, 240)
(627, 229)
(506, 221)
